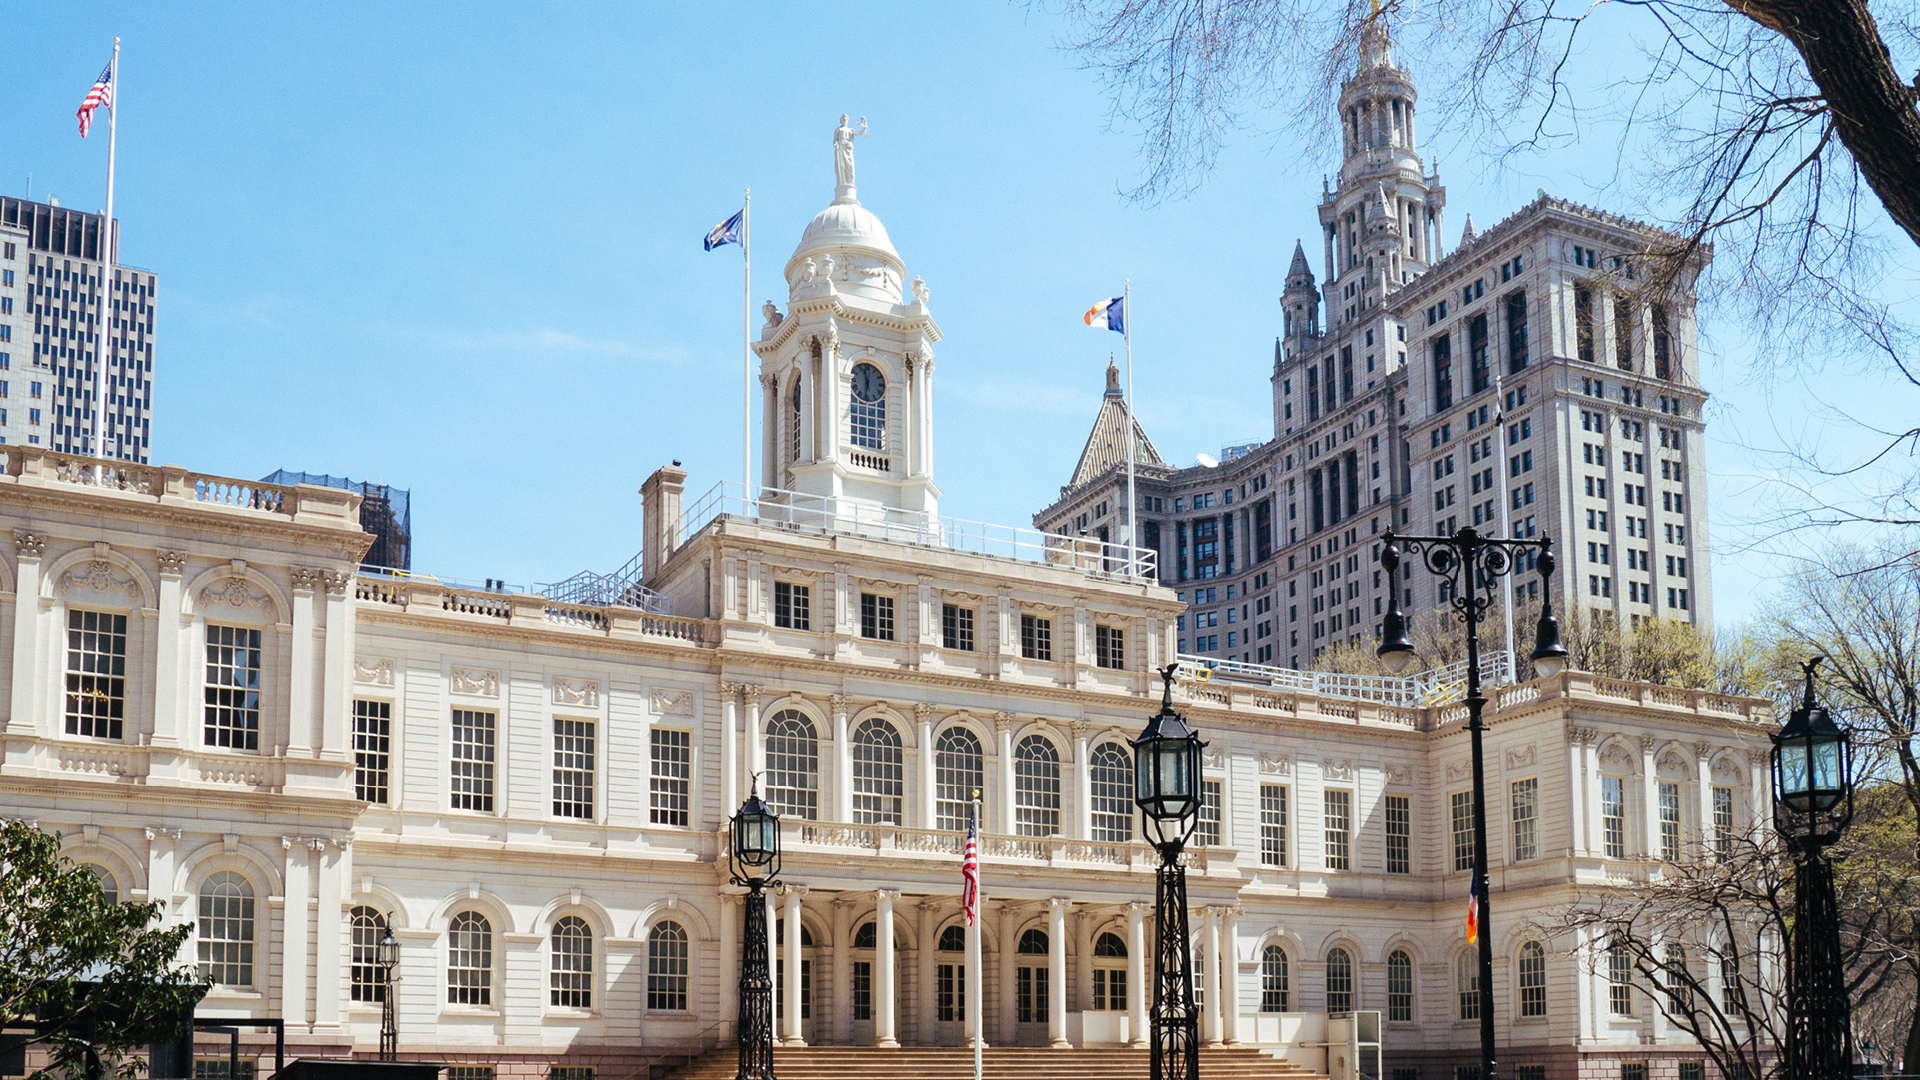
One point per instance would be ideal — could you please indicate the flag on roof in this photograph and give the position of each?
(101, 93)
(727, 232)
(1110, 314)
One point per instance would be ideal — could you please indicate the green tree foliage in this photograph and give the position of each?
(97, 977)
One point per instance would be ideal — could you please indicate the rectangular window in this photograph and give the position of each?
(96, 673)
(473, 760)
(573, 754)
(956, 627)
(670, 788)
(1613, 815)
(1670, 821)
(1109, 647)
(1693, 1070)
(1030, 995)
(862, 990)
(1526, 807)
(1619, 981)
(1722, 824)
(876, 617)
(233, 687)
(372, 745)
(1399, 835)
(1633, 1070)
(1539, 1072)
(1462, 806)
(1036, 637)
(1206, 832)
(1517, 353)
(792, 606)
(1339, 806)
(1273, 825)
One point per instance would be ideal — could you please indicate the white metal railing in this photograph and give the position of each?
(850, 517)
(622, 588)
(1437, 686)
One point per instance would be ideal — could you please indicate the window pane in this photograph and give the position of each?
(879, 774)
(670, 790)
(233, 687)
(368, 979)
(1273, 825)
(959, 770)
(226, 928)
(1036, 798)
(1111, 776)
(793, 766)
(372, 744)
(96, 673)
(570, 978)
(667, 968)
(472, 765)
(470, 960)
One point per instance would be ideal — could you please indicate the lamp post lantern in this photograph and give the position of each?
(1473, 566)
(754, 858)
(1813, 804)
(386, 956)
(1166, 787)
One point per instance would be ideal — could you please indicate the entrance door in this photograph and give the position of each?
(950, 988)
(1105, 1022)
(1030, 990)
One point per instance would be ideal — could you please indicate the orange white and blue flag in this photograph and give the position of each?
(1109, 314)
(1473, 907)
(101, 93)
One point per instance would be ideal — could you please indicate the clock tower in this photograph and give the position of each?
(846, 372)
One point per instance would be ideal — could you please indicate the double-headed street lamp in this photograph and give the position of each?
(1473, 566)
(1813, 804)
(386, 956)
(1166, 787)
(754, 858)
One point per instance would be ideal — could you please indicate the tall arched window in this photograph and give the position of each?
(1276, 994)
(793, 765)
(1036, 787)
(369, 980)
(1339, 981)
(1110, 770)
(667, 968)
(879, 774)
(109, 888)
(1466, 982)
(226, 930)
(1533, 979)
(793, 421)
(470, 960)
(1678, 978)
(953, 939)
(1109, 973)
(1399, 986)
(570, 976)
(959, 770)
(950, 977)
(869, 407)
(1030, 979)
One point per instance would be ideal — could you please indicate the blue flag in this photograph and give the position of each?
(727, 232)
(1109, 314)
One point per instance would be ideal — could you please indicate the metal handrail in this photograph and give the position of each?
(1433, 687)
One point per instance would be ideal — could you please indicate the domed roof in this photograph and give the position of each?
(845, 224)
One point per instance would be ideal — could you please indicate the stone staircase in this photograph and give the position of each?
(998, 1063)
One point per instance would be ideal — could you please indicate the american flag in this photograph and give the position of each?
(100, 94)
(970, 873)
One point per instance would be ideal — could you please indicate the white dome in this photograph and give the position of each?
(846, 243)
(844, 226)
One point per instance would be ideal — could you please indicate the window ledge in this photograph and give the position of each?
(561, 1012)
(230, 993)
(664, 1014)
(475, 1011)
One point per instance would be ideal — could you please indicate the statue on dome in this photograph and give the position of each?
(843, 137)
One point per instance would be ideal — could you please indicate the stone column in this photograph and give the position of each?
(336, 870)
(1137, 989)
(26, 614)
(1057, 971)
(1577, 837)
(925, 957)
(1703, 769)
(729, 751)
(795, 1034)
(1210, 976)
(1230, 975)
(926, 412)
(166, 653)
(883, 1011)
(1082, 961)
(1082, 783)
(1649, 799)
(296, 918)
(1003, 730)
(769, 432)
(929, 785)
(1008, 1016)
(777, 1023)
(729, 972)
(1590, 780)
(335, 698)
(842, 762)
(756, 738)
(842, 970)
(300, 670)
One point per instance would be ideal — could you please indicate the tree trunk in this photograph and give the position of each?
(1873, 110)
(1911, 1059)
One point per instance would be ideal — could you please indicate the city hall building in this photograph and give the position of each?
(220, 711)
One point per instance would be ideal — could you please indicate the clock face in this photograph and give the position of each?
(868, 384)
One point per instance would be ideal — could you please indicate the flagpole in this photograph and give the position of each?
(1506, 521)
(976, 988)
(1133, 502)
(103, 313)
(746, 353)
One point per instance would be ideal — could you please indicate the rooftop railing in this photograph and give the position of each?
(38, 465)
(1437, 686)
(622, 588)
(828, 515)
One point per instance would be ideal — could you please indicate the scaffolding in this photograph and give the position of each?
(384, 511)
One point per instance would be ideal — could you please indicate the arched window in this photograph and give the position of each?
(1036, 787)
(869, 407)
(879, 774)
(867, 937)
(953, 939)
(1399, 986)
(667, 968)
(1678, 979)
(226, 930)
(1111, 774)
(793, 765)
(1275, 985)
(959, 770)
(109, 888)
(1109, 973)
(793, 414)
(1030, 979)
(1033, 942)
(470, 960)
(369, 980)
(1339, 981)
(570, 978)
(1533, 979)
(1110, 945)
(1466, 982)
(950, 977)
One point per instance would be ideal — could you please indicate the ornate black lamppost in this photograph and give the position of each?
(1473, 565)
(386, 956)
(1813, 804)
(1166, 786)
(755, 861)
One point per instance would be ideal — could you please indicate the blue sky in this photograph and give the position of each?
(456, 248)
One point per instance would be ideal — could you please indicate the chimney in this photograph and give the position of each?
(660, 499)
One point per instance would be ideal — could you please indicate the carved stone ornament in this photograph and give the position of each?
(373, 670)
(922, 711)
(1458, 771)
(920, 290)
(172, 563)
(27, 545)
(1276, 764)
(584, 692)
(1400, 775)
(1003, 722)
(475, 682)
(1616, 755)
(1520, 759)
(1672, 765)
(1211, 757)
(1726, 769)
(233, 591)
(98, 576)
(336, 582)
(1341, 769)
(304, 579)
(664, 702)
